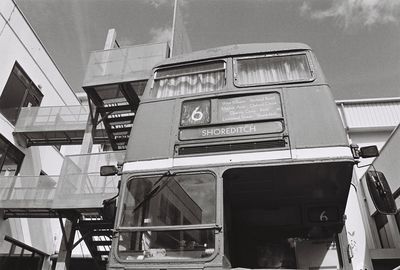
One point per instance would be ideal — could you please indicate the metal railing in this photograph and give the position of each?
(33, 119)
(123, 64)
(27, 191)
(79, 185)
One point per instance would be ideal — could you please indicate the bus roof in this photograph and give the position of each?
(231, 50)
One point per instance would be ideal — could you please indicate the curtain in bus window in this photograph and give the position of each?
(189, 84)
(273, 69)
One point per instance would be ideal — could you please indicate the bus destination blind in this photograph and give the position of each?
(249, 108)
(231, 130)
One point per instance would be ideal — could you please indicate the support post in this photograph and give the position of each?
(64, 254)
(111, 39)
(69, 229)
(108, 45)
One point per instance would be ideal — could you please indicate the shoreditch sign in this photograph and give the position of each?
(231, 130)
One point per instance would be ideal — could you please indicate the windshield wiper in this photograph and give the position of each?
(156, 188)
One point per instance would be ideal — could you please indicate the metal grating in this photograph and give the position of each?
(370, 114)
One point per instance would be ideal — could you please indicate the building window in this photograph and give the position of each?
(10, 158)
(19, 92)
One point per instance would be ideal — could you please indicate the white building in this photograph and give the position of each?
(28, 77)
(374, 238)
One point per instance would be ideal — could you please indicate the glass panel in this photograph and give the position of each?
(265, 70)
(162, 245)
(139, 87)
(169, 200)
(124, 64)
(188, 80)
(81, 185)
(52, 118)
(192, 69)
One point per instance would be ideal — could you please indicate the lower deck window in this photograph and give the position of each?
(162, 245)
(161, 203)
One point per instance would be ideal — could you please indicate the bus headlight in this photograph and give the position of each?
(195, 113)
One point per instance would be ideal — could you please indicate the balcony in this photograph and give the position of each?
(54, 126)
(120, 65)
(79, 187)
(115, 80)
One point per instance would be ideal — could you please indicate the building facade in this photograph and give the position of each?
(28, 78)
(373, 237)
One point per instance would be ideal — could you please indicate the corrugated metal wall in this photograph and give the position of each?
(370, 114)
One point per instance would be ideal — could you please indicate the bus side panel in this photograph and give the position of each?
(151, 134)
(313, 119)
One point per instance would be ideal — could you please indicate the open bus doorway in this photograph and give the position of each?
(264, 219)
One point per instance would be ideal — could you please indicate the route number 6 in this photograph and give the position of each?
(323, 217)
(197, 115)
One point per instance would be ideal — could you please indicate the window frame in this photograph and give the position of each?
(128, 229)
(31, 91)
(183, 65)
(15, 150)
(272, 55)
(166, 227)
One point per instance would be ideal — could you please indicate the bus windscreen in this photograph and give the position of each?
(171, 208)
(272, 69)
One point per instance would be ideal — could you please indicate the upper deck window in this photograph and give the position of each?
(272, 69)
(189, 80)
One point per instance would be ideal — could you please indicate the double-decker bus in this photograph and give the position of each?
(237, 158)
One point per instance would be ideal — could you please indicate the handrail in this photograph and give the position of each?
(24, 246)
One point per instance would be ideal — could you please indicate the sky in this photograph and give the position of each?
(357, 42)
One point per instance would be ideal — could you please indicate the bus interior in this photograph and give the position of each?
(273, 218)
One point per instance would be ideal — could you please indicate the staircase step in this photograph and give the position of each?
(102, 233)
(102, 243)
(114, 108)
(95, 225)
(103, 252)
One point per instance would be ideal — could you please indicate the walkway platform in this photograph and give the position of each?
(114, 82)
(79, 187)
(54, 126)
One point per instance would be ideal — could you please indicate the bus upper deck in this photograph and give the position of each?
(237, 158)
(253, 96)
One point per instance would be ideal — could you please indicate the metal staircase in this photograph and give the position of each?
(96, 231)
(77, 194)
(116, 113)
(114, 82)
